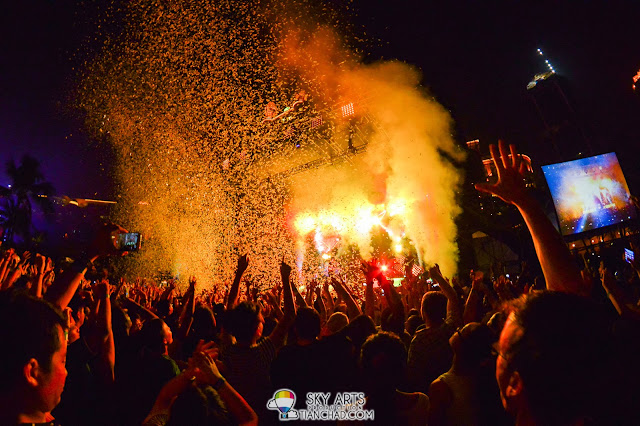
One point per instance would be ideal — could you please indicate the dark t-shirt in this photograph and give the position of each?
(296, 368)
(429, 356)
(79, 401)
(337, 364)
(150, 373)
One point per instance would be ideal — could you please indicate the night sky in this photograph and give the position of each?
(476, 58)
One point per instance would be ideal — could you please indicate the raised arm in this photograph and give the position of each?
(64, 287)
(327, 295)
(321, 309)
(279, 333)
(311, 287)
(105, 332)
(21, 267)
(299, 299)
(453, 303)
(4, 266)
(208, 373)
(353, 310)
(391, 296)
(370, 270)
(243, 264)
(474, 299)
(116, 292)
(188, 308)
(40, 270)
(560, 273)
(132, 304)
(616, 296)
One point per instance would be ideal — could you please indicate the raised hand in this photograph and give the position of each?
(370, 269)
(243, 263)
(40, 263)
(104, 244)
(205, 368)
(49, 265)
(209, 348)
(434, 272)
(510, 187)
(476, 279)
(285, 270)
(101, 290)
(24, 262)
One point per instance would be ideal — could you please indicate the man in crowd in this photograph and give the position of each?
(32, 361)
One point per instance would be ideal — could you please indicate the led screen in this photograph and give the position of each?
(589, 193)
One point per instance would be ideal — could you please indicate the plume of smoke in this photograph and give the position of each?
(181, 96)
(402, 166)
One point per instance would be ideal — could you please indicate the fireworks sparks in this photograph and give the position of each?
(189, 98)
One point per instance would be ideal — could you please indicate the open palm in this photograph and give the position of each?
(510, 186)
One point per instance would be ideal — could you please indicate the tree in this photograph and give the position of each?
(28, 187)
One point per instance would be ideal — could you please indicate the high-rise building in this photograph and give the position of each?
(562, 135)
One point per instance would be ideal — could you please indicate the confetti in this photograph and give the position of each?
(229, 127)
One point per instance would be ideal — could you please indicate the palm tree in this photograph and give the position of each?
(28, 187)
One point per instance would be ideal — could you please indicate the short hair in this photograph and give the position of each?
(243, 321)
(204, 321)
(392, 320)
(560, 355)
(384, 357)
(359, 329)
(28, 329)
(412, 312)
(153, 335)
(307, 323)
(413, 322)
(162, 308)
(336, 322)
(342, 307)
(476, 344)
(434, 306)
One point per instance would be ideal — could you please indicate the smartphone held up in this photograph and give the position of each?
(629, 255)
(129, 241)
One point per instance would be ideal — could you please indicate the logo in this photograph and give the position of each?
(283, 401)
(320, 406)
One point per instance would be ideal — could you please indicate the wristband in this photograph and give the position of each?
(220, 383)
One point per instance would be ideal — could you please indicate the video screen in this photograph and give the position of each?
(589, 193)
(129, 241)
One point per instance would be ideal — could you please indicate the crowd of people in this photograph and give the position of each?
(477, 350)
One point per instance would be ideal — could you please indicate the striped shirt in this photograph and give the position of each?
(247, 370)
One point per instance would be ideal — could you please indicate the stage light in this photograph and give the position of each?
(384, 268)
(316, 122)
(347, 110)
(326, 256)
(398, 248)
